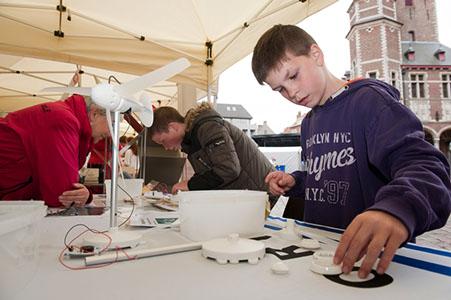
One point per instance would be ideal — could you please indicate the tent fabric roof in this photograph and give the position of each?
(136, 37)
(22, 79)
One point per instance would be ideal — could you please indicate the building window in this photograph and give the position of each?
(411, 35)
(440, 54)
(409, 2)
(417, 87)
(393, 78)
(372, 75)
(410, 54)
(446, 85)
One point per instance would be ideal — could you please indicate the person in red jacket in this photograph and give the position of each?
(44, 146)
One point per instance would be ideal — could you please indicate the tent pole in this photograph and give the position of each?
(208, 88)
(209, 63)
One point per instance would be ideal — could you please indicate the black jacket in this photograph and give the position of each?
(222, 156)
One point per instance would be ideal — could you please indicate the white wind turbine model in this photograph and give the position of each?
(117, 99)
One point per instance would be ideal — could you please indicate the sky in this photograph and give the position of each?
(237, 85)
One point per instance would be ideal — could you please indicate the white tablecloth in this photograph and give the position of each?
(419, 273)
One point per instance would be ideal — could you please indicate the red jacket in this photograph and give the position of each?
(43, 147)
(98, 152)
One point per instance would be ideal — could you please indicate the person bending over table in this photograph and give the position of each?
(222, 155)
(44, 146)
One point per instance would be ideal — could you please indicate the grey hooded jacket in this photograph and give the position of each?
(222, 156)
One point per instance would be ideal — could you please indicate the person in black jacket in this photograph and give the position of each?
(222, 156)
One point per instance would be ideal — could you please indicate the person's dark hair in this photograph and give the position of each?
(273, 46)
(162, 116)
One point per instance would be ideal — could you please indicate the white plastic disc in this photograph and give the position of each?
(309, 244)
(354, 277)
(234, 249)
(280, 268)
(119, 239)
(322, 263)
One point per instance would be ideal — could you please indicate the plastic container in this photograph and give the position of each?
(133, 187)
(205, 215)
(20, 229)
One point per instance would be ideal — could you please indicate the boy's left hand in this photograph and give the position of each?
(369, 234)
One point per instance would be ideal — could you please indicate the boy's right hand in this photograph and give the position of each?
(373, 234)
(279, 182)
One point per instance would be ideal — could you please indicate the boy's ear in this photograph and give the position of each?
(317, 54)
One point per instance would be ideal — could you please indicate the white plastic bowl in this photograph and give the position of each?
(205, 215)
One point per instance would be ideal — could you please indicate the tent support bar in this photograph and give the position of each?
(42, 78)
(139, 37)
(247, 24)
(162, 43)
(32, 6)
(83, 16)
(33, 76)
(209, 62)
(23, 23)
(43, 72)
(30, 74)
(61, 8)
(23, 93)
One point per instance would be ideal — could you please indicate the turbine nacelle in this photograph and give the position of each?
(105, 96)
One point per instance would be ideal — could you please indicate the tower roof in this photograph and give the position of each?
(425, 53)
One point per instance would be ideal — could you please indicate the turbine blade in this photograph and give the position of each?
(129, 88)
(85, 91)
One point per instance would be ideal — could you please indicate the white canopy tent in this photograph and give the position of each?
(138, 36)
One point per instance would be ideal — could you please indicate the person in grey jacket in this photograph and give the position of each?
(222, 156)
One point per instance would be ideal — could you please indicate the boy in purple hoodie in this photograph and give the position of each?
(368, 168)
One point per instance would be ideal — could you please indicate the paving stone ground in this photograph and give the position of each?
(439, 238)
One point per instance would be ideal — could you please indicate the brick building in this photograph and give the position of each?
(397, 42)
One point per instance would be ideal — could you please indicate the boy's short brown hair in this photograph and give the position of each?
(162, 116)
(273, 45)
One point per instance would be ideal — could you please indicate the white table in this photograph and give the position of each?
(418, 273)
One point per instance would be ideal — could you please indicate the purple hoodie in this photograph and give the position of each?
(364, 150)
